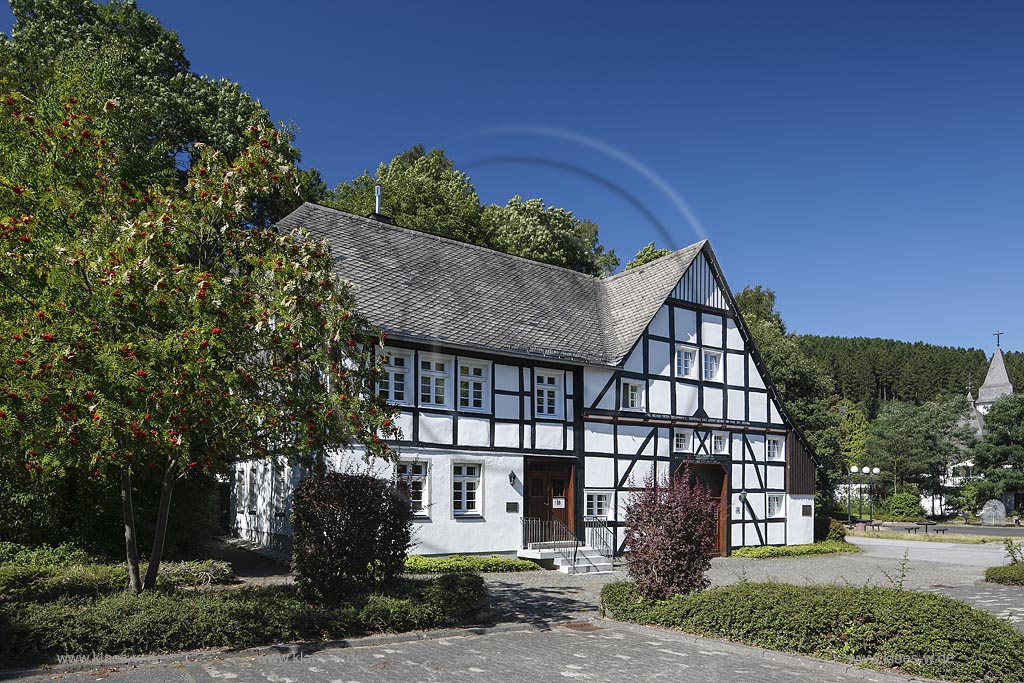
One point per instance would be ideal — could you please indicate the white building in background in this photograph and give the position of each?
(536, 397)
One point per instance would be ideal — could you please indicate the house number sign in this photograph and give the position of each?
(558, 503)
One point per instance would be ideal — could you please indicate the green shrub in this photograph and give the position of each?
(43, 555)
(350, 533)
(1009, 574)
(904, 506)
(417, 564)
(171, 620)
(920, 634)
(822, 548)
(35, 581)
(836, 531)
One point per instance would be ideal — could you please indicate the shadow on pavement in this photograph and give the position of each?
(512, 602)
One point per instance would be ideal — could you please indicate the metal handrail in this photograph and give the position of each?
(553, 534)
(599, 535)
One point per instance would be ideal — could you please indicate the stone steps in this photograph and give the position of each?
(588, 560)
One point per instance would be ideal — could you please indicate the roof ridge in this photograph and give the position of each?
(422, 233)
(646, 266)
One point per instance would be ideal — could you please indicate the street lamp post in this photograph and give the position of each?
(864, 470)
(871, 501)
(849, 494)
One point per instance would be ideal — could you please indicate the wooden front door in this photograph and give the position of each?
(549, 491)
(715, 479)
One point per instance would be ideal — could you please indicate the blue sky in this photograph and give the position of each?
(863, 159)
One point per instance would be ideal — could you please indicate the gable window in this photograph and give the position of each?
(712, 366)
(719, 443)
(412, 477)
(774, 449)
(598, 504)
(631, 395)
(686, 362)
(465, 489)
(775, 504)
(392, 385)
(681, 441)
(474, 383)
(434, 382)
(548, 395)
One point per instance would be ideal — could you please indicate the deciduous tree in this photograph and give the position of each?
(646, 255)
(159, 327)
(549, 234)
(1000, 454)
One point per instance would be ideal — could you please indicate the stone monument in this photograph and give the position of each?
(993, 513)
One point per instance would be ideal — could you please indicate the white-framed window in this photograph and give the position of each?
(434, 374)
(632, 396)
(773, 449)
(413, 478)
(474, 386)
(719, 443)
(775, 501)
(547, 395)
(466, 489)
(282, 478)
(712, 365)
(250, 496)
(686, 361)
(681, 440)
(599, 503)
(393, 384)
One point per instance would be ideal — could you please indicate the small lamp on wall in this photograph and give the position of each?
(511, 478)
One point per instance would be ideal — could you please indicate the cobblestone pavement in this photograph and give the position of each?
(955, 570)
(606, 651)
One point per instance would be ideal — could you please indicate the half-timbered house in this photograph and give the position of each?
(534, 398)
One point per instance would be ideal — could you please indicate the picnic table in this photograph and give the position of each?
(877, 526)
(925, 525)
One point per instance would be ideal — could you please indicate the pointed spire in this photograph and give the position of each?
(997, 382)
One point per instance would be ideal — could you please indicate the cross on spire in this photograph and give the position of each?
(997, 334)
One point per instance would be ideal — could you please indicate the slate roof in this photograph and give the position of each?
(411, 284)
(997, 382)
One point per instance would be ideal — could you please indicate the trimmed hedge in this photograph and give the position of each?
(170, 620)
(417, 564)
(1008, 574)
(920, 634)
(822, 548)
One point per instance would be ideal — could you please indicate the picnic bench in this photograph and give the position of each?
(877, 526)
(925, 525)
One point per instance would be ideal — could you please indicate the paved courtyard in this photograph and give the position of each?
(532, 643)
(956, 570)
(603, 652)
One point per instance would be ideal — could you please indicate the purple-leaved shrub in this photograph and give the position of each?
(671, 530)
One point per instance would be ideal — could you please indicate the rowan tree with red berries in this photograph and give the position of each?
(149, 326)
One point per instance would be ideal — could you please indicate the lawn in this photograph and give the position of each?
(946, 537)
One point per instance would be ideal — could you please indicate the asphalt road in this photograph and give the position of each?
(1010, 531)
(606, 651)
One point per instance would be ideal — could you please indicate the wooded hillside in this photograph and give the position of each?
(871, 370)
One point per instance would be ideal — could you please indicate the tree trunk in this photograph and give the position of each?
(166, 489)
(131, 547)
